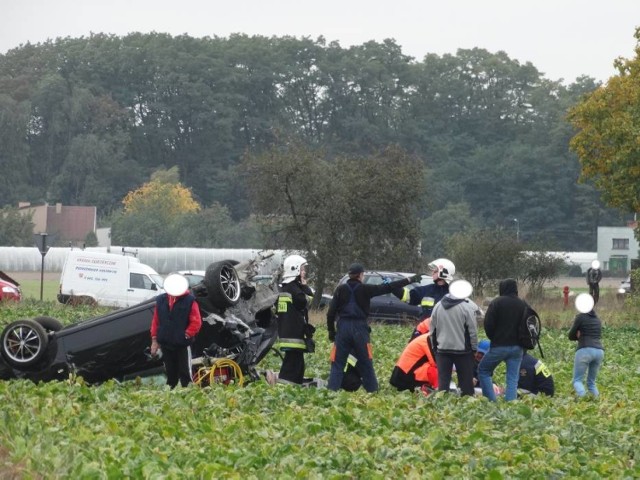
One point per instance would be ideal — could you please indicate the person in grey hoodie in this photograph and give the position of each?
(455, 335)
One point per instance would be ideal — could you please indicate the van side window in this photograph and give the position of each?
(137, 281)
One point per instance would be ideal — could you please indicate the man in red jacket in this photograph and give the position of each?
(175, 324)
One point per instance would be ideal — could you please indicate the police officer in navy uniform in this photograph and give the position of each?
(350, 306)
(294, 329)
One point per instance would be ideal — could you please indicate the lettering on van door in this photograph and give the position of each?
(89, 273)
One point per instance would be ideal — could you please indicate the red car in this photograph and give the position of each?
(9, 288)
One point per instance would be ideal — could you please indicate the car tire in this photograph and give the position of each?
(23, 343)
(223, 284)
(50, 324)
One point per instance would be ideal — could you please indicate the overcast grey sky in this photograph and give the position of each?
(562, 38)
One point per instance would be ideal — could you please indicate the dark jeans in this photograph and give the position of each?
(292, 368)
(353, 336)
(177, 365)
(594, 291)
(464, 363)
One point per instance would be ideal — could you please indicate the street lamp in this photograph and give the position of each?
(517, 229)
(42, 246)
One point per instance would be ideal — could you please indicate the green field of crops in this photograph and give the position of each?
(140, 429)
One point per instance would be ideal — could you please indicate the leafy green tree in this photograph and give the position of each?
(536, 267)
(607, 140)
(16, 228)
(337, 211)
(484, 257)
(441, 225)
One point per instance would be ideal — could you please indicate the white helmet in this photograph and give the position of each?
(292, 267)
(445, 268)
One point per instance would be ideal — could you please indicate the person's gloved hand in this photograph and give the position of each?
(309, 330)
(417, 278)
(332, 335)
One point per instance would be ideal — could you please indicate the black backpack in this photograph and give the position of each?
(529, 330)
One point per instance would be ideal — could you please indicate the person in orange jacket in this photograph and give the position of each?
(416, 366)
(176, 321)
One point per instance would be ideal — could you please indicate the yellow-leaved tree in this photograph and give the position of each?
(153, 214)
(162, 193)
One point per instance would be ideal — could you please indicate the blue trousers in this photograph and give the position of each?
(587, 361)
(353, 336)
(512, 356)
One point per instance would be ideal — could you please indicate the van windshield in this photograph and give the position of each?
(158, 279)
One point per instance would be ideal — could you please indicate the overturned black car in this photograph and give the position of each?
(238, 330)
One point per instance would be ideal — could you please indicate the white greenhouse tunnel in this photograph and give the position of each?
(163, 260)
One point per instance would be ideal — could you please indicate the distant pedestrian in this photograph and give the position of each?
(594, 275)
(587, 331)
(501, 323)
(350, 307)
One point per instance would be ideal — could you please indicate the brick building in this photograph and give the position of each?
(64, 224)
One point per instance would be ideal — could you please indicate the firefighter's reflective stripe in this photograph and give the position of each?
(427, 302)
(284, 301)
(405, 294)
(351, 360)
(541, 368)
(291, 344)
(309, 299)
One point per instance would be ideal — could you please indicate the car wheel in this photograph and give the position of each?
(223, 284)
(23, 343)
(49, 323)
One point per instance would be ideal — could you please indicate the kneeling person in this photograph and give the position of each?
(416, 366)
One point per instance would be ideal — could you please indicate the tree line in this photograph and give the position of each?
(479, 139)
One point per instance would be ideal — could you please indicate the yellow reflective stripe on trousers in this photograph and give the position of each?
(351, 360)
(294, 343)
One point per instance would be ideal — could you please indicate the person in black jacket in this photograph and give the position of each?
(587, 331)
(294, 329)
(501, 326)
(594, 275)
(350, 304)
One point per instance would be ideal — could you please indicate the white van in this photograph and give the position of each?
(107, 279)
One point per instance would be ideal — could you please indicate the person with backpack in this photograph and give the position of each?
(594, 275)
(348, 327)
(502, 325)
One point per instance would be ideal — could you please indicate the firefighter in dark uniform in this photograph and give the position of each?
(350, 305)
(294, 329)
(427, 296)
